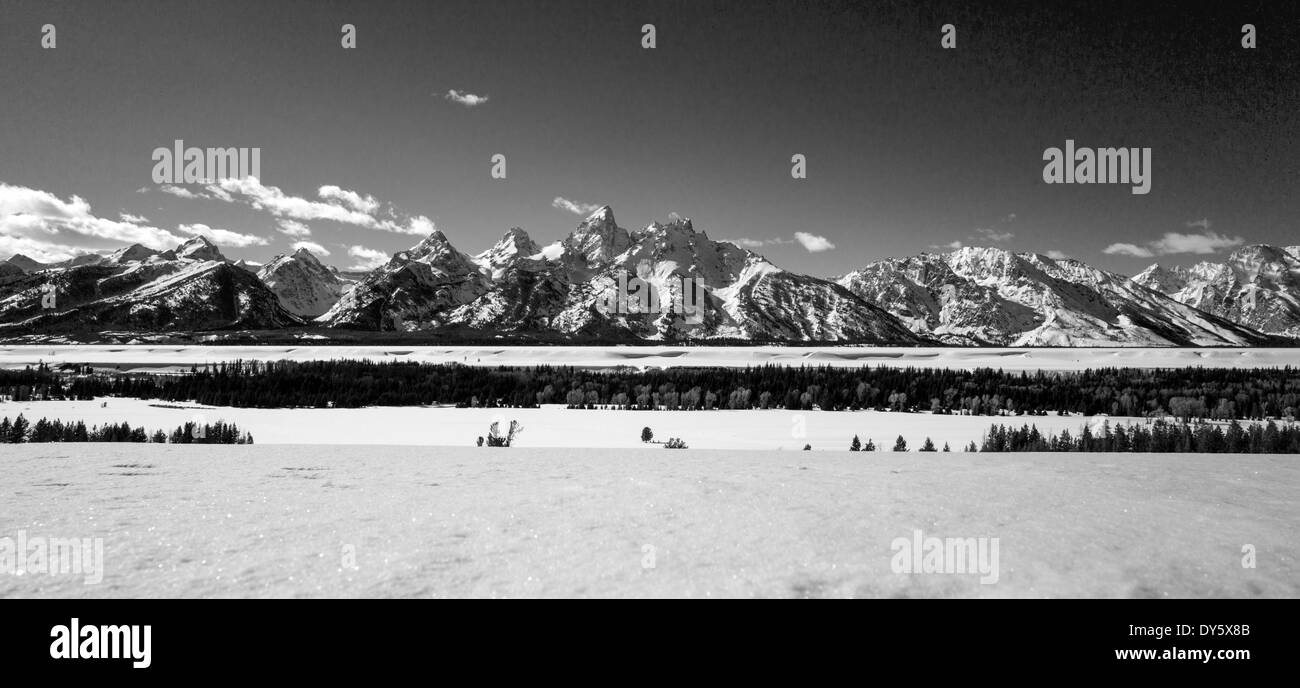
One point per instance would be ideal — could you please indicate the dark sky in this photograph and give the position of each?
(909, 146)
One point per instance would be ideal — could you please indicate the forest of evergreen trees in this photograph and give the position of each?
(20, 430)
(1156, 437)
(1186, 393)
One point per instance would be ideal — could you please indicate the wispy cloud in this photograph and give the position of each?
(356, 201)
(1126, 249)
(465, 98)
(1202, 243)
(335, 205)
(311, 246)
(759, 243)
(950, 246)
(292, 228)
(133, 219)
(178, 191)
(993, 235)
(574, 207)
(1058, 255)
(812, 243)
(367, 258)
(224, 237)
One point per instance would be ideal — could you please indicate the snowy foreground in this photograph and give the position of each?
(200, 521)
(556, 426)
(160, 357)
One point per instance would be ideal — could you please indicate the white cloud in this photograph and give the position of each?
(1125, 249)
(1202, 244)
(40, 251)
(366, 204)
(311, 246)
(760, 243)
(292, 228)
(583, 209)
(466, 99)
(179, 191)
(367, 258)
(813, 243)
(339, 205)
(994, 235)
(224, 237)
(1058, 255)
(133, 219)
(34, 222)
(951, 245)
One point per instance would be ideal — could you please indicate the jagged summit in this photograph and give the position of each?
(995, 296)
(973, 295)
(135, 253)
(199, 248)
(518, 286)
(1257, 286)
(598, 239)
(304, 286)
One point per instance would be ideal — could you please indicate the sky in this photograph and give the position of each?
(909, 147)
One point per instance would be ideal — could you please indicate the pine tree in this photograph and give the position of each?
(18, 431)
(647, 435)
(928, 446)
(900, 445)
(856, 444)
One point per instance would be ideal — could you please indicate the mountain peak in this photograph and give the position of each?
(598, 238)
(199, 248)
(26, 264)
(135, 253)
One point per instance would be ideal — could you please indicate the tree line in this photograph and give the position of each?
(1185, 393)
(1157, 437)
(20, 430)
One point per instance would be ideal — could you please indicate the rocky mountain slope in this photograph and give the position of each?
(994, 296)
(518, 286)
(194, 289)
(1257, 286)
(585, 287)
(304, 286)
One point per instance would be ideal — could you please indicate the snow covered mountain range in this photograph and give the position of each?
(1258, 286)
(519, 288)
(993, 296)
